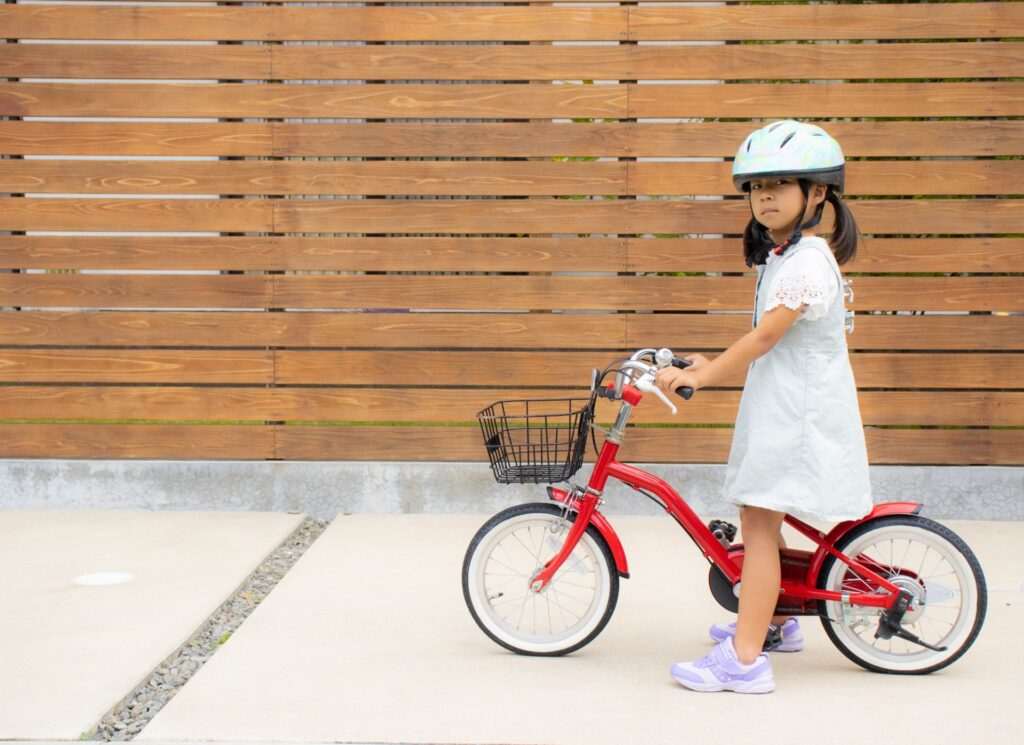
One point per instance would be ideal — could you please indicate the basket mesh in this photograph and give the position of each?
(536, 441)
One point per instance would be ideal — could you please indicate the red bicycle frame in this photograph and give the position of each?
(799, 585)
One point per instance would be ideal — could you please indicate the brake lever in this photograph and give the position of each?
(646, 383)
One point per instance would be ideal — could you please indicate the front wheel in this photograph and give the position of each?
(935, 566)
(504, 556)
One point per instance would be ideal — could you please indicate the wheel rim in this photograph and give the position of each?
(565, 611)
(942, 586)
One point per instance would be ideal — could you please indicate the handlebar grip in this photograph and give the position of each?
(684, 390)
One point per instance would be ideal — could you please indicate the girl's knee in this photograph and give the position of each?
(761, 521)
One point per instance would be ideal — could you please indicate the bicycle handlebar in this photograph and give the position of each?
(661, 358)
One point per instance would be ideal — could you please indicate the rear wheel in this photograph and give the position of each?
(944, 580)
(504, 556)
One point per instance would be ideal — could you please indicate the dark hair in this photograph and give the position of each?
(757, 241)
(845, 234)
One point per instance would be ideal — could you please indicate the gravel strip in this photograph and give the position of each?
(128, 718)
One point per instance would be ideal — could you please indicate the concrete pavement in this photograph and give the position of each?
(367, 639)
(91, 602)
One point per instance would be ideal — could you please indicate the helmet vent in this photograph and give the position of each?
(788, 138)
(775, 126)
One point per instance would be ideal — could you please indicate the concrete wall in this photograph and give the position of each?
(326, 489)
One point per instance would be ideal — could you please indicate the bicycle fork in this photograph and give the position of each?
(584, 503)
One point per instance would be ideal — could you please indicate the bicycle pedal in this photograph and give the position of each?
(724, 531)
(772, 639)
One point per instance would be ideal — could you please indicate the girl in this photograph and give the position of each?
(798, 445)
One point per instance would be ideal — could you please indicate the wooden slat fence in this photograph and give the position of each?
(314, 231)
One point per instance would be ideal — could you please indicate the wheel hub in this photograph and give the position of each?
(918, 597)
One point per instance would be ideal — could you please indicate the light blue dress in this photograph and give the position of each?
(798, 445)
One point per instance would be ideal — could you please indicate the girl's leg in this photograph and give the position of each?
(779, 620)
(761, 579)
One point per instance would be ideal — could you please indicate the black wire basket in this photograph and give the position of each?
(539, 441)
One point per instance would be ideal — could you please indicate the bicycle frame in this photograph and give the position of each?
(586, 502)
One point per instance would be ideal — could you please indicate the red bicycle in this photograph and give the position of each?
(895, 592)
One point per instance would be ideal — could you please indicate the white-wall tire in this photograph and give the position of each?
(506, 552)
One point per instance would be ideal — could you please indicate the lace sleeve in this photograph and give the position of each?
(805, 279)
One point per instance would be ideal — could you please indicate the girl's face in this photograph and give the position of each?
(778, 204)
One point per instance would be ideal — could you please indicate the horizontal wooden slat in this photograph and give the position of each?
(280, 100)
(432, 368)
(256, 442)
(732, 62)
(612, 331)
(162, 441)
(239, 329)
(544, 178)
(904, 216)
(136, 366)
(511, 216)
(137, 138)
(317, 24)
(984, 137)
(840, 21)
(625, 293)
(828, 100)
(133, 61)
(386, 292)
(982, 255)
(903, 332)
(136, 291)
(961, 408)
(495, 101)
(690, 445)
(891, 21)
(228, 215)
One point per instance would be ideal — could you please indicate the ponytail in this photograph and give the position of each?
(757, 242)
(845, 234)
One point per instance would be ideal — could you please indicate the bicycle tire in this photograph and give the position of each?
(525, 536)
(964, 580)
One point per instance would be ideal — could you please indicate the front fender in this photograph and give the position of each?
(834, 535)
(600, 522)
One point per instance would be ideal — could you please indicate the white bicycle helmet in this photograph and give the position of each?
(789, 148)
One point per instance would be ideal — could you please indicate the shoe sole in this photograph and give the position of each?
(739, 686)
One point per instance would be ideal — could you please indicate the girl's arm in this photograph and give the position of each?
(773, 326)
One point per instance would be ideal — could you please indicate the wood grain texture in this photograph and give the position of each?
(503, 63)
(454, 254)
(136, 366)
(487, 330)
(498, 178)
(496, 101)
(435, 368)
(355, 443)
(609, 23)
(484, 216)
(502, 292)
(234, 404)
(156, 441)
(892, 139)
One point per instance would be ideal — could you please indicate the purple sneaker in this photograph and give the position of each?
(792, 637)
(722, 671)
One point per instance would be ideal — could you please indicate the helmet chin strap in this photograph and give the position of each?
(779, 250)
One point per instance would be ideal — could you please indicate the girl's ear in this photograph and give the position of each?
(817, 194)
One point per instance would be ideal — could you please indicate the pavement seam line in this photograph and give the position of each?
(126, 719)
